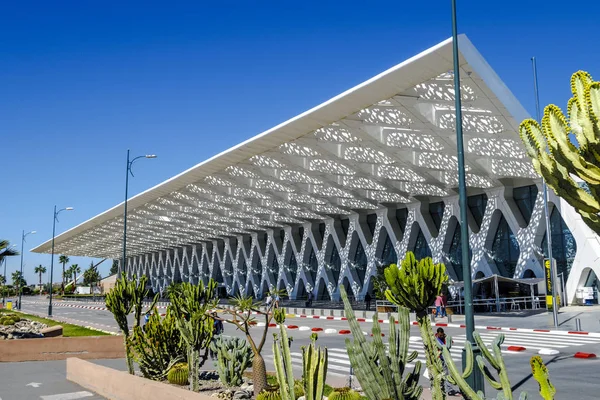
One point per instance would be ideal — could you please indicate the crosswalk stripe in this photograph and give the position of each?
(526, 343)
(559, 338)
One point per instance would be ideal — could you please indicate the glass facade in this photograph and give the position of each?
(421, 248)
(359, 258)
(505, 249)
(388, 255)
(292, 265)
(525, 196)
(455, 254)
(372, 222)
(477, 206)
(334, 260)
(437, 213)
(563, 243)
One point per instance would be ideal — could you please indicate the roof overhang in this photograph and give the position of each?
(388, 140)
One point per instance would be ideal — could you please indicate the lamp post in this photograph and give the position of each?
(23, 235)
(475, 380)
(5, 280)
(52, 259)
(127, 172)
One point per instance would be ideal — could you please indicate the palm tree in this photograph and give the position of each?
(91, 276)
(18, 280)
(40, 269)
(2, 279)
(63, 260)
(6, 251)
(75, 270)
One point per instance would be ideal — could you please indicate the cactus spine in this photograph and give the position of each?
(269, 393)
(343, 394)
(541, 375)
(158, 346)
(495, 360)
(178, 374)
(556, 158)
(415, 286)
(125, 297)
(380, 373)
(314, 370)
(234, 356)
(283, 364)
(190, 307)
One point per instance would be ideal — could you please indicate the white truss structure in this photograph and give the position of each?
(247, 214)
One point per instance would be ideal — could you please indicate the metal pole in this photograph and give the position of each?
(52, 262)
(4, 286)
(545, 190)
(20, 280)
(122, 265)
(475, 380)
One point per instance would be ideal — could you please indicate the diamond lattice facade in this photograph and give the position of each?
(322, 199)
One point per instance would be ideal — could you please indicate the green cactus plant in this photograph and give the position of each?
(314, 370)
(16, 318)
(298, 389)
(343, 393)
(541, 375)
(126, 297)
(495, 360)
(191, 306)
(269, 393)
(158, 346)
(557, 159)
(282, 359)
(381, 372)
(234, 356)
(178, 374)
(415, 286)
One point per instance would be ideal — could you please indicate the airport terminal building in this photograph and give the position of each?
(321, 200)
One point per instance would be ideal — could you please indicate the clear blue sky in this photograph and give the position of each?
(83, 81)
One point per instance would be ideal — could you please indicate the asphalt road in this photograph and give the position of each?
(573, 378)
(39, 381)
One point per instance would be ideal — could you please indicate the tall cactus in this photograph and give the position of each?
(541, 375)
(282, 359)
(314, 370)
(415, 286)
(234, 356)
(380, 373)
(158, 346)
(557, 159)
(126, 297)
(191, 307)
(495, 360)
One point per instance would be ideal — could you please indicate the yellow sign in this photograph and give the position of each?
(548, 275)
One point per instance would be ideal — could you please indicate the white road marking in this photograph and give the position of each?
(34, 384)
(68, 396)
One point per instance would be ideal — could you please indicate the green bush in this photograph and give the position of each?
(178, 374)
(9, 322)
(16, 318)
(299, 389)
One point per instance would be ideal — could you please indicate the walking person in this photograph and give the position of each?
(440, 336)
(146, 320)
(268, 301)
(438, 306)
(276, 300)
(444, 304)
(309, 300)
(368, 299)
(217, 332)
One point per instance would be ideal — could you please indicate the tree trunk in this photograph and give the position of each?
(259, 374)
(62, 285)
(128, 355)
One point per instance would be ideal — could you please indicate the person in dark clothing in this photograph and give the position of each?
(217, 331)
(309, 300)
(368, 301)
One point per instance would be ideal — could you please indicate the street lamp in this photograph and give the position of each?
(127, 172)
(23, 235)
(5, 279)
(52, 259)
(475, 380)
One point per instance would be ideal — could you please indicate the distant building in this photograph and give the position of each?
(107, 283)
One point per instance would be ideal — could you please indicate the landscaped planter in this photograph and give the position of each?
(120, 385)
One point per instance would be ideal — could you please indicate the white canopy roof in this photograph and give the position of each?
(384, 141)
